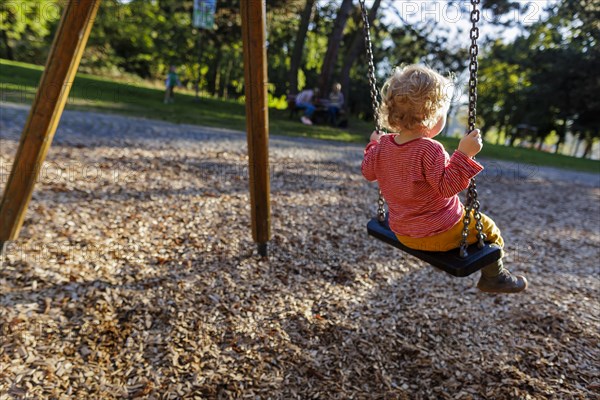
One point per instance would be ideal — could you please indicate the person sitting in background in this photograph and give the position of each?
(336, 102)
(304, 100)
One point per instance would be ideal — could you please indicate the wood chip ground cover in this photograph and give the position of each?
(135, 277)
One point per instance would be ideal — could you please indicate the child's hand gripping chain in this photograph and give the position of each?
(471, 144)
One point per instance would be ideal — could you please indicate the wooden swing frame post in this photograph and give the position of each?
(254, 31)
(62, 63)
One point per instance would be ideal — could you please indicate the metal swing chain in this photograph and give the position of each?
(374, 92)
(472, 204)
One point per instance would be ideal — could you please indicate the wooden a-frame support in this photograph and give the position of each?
(53, 91)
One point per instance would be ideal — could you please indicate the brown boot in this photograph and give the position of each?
(497, 279)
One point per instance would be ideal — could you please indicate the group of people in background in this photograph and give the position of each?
(309, 98)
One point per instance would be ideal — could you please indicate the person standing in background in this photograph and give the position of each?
(170, 83)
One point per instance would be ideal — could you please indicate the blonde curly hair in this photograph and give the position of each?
(414, 98)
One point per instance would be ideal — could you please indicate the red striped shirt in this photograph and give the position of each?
(420, 183)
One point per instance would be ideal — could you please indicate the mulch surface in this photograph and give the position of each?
(135, 277)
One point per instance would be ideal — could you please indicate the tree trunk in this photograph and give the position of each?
(513, 138)
(557, 149)
(333, 46)
(199, 77)
(562, 133)
(9, 52)
(214, 72)
(224, 80)
(539, 144)
(296, 58)
(557, 146)
(355, 48)
(589, 144)
(576, 149)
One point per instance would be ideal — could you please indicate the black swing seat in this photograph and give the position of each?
(448, 261)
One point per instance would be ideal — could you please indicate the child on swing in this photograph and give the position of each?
(419, 180)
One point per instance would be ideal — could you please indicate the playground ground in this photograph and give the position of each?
(135, 277)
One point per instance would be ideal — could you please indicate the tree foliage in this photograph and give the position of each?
(546, 79)
(542, 80)
(24, 27)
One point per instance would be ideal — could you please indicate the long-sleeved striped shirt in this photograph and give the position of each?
(420, 183)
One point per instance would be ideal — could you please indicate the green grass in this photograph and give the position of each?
(18, 83)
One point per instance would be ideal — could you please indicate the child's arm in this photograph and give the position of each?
(449, 175)
(368, 164)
